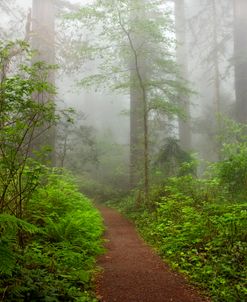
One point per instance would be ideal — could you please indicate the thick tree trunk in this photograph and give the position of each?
(240, 59)
(43, 28)
(43, 42)
(184, 125)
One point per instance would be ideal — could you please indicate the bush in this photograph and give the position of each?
(57, 261)
(200, 230)
(49, 232)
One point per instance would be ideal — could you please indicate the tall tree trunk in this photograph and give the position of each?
(139, 136)
(136, 132)
(216, 71)
(240, 59)
(43, 42)
(139, 140)
(216, 60)
(184, 125)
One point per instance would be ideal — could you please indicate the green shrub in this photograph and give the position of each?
(200, 230)
(58, 259)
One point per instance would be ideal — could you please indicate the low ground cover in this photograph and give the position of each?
(61, 236)
(200, 229)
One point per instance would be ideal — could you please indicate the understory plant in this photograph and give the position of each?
(61, 233)
(199, 224)
(49, 232)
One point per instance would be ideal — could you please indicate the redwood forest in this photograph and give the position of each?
(123, 150)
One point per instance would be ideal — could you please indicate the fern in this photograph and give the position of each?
(54, 230)
(9, 225)
(12, 222)
(7, 259)
(57, 262)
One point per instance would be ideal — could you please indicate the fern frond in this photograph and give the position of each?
(7, 259)
(16, 223)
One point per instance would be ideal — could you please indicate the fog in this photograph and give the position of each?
(121, 118)
(123, 57)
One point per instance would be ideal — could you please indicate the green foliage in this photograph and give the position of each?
(232, 170)
(75, 142)
(172, 160)
(10, 228)
(7, 256)
(140, 44)
(27, 112)
(57, 262)
(107, 178)
(49, 232)
(199, 225)
(140, 61)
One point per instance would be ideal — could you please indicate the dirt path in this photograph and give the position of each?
(133, 272)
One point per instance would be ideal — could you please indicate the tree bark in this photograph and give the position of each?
(184, 124)
(217, 86)
(136, 132)
(240, 59)
(43, 28)
(139, 140)
(216, 60)
(43, 42)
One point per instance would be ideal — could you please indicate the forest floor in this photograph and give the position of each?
(133, 272)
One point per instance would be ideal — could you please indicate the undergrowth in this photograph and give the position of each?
(60, 238)
(200, 230)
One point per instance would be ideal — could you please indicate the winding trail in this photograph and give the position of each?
(132, 270)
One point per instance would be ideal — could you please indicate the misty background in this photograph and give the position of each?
(204, 56)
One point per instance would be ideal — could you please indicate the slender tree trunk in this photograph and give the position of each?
(43, 42)
(139, 136)
(136, 132)
(216, 60)
(184, 125)
(240, 59)
(216, 65)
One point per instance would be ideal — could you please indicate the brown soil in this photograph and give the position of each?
(132, 270)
